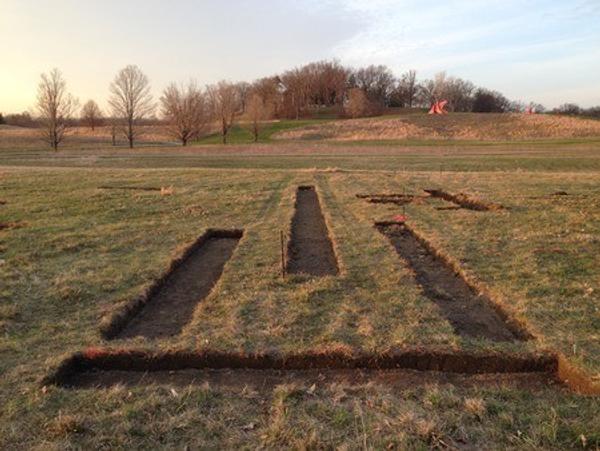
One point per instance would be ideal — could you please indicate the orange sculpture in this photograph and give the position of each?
(438, 107)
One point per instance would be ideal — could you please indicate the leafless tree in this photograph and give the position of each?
(130, 99)
(225, 104)
(55, 106)
(297, 85)
(376, 81)
(257, 110)
(357, 104)
(408, 87)
(91, 114)
(186, 110)
(459, 94)
(244, 93)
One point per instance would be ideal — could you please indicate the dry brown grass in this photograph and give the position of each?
(460, 126)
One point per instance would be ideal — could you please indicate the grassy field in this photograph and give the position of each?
(73, 253)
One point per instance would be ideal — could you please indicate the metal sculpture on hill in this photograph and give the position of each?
(439, 107)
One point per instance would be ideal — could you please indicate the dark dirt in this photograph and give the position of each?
(398, 199)
(464, 200)
(310, 250)
(172, 304)
(139, 188)
(267, 380)
(470, 315)
(98, 366)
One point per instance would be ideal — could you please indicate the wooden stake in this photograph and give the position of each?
(282, 255)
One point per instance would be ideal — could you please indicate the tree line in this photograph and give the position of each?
(188, 110)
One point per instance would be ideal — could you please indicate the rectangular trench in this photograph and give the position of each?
(170, 303)
(310, 250)
(404, 368)
(470, 315)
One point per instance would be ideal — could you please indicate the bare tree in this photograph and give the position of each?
(55, 106)
(91, 114)
(130, 99)
(409, 87)
(243, 88)
(358, 104)
(258, 110)
(225, 103)
(186, 110)
(376, 81)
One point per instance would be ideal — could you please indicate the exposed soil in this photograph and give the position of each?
(170, 303)
(464, 200)
(138, 188)
(310, 250)
(470, 315)
(266, 380)
(102, 367)
(398, 199)
(11, 225)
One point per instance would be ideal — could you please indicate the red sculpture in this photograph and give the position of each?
(438, 107)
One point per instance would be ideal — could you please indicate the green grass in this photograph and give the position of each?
(81, 251)
(242, 134)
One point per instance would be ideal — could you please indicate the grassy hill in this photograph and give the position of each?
(455, 126)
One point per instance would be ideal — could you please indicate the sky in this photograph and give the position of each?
(546, 52)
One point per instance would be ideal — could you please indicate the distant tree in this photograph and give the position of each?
(459, 94)
(486, 101)
(23, 119)
(55, 106)
(570, 109)
(91, 114)
(186, 111)
(130, 99)
(407, 89)
(257, 110)
(225, 104)
(243, 93)
(2, 121)
(433, 90)
(358, 104)
(593, 112)
(377, 82)
(297, 86)
(268, 89)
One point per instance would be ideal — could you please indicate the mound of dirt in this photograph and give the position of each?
(459, 126)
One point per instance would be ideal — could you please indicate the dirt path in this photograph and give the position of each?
(172, 307)
(470, 315)
(310, 250)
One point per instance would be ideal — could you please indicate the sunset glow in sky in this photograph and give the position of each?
(530, 50)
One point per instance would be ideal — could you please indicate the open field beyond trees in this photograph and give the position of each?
(86, 230)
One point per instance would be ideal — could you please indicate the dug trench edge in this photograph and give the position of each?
(114, 323)
(464, 201)
(310, 248)
(571, 375)
(449, 361)
(517, 326)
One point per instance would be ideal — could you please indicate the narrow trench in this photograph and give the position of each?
(310, 250)
(462, 200)
(98, 368)
(469, 314)
(170, 303)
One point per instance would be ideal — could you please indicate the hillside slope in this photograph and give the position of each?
(459, 126)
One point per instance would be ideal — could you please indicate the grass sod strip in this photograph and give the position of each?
(310, 250)
(170, 302)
